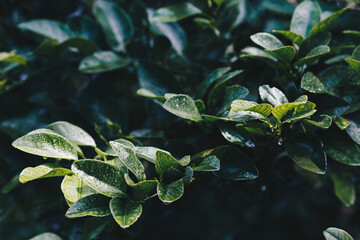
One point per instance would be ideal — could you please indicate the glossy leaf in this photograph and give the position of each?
(292, 36)
(266, 40)
(101, 62)
(42, 171)
(245, 116)
(272, 95)
(341, 122)
(175, 12)
(305, 17)
(344, 187)
(307, 153)
(93, 205)
(48, 28)
(354, 129)
(171, 192)
(300, 111)
(324, 24)
(336, 234)
(148, 153)
(183, 106)
(73, 133)
(208, 164)
(46, 144)
(354, 64)
(310, 82)
(232, 93)
(128, 157)
(143, 187)
(102, 177)
(74, 189)
(46, 236)
(285, 54)
(164, 161)
(313, 55)
(115, 22)
(125, 213)
(324, 122)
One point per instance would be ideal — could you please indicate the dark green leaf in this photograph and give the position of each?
(84, 46)
(305, 17)
(344, 187)
(324, 24)
(312, 83)
(208, 164)
(307, 153)
(313, 55)
(175, 12)
(232, 93)
(354, 64)
(101, 62)
(324, 122)
(102, 177)
(171, 192)
(143, 186)
(285, 54)
(115, 22)
(93, 205)
(294, 37)
(124, 212)
(164, 161)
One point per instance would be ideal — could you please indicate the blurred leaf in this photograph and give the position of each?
(305, 17)
(344, 187)
(324, 24)
(49, 29)
(84, 46)
(294, 37)
(175, 12)
(46, 236)
(115, 22)
(92, 228)
(101, 62)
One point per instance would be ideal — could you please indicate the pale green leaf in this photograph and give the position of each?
(164, 161)
(266, 40)
(124, 212)
(42, 171)
(336, 234)
(272, 95)
(183, 106)
(305, 17)
(74, 189)
(310, 82)
(171, 192)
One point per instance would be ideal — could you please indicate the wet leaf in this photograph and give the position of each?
(42, 171)
(93, 205)
(125, 213)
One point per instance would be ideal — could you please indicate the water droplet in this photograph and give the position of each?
(263, 188)
(249, 143)
(281, 141)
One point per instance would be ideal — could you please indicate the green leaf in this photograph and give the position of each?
(313, 41)
(172, 31)
(184, 161)
(46, 144)
(148, 94)
(101, 62)
(164, 161)
(354, 64)
(74, 189)
(341, 148)
(175, 12)
(102, 177)
(115, 22)
(46, 236)
(344, 187)
(148, 153)
(143, 186)
(336, 234)
(307, 153)
(324, 24)
(341, 122)
(156, 78)
(125, 213)
(242, 105)
(312, 83)
(42, 171)
(73, 133)
(324, 122)
(208, 164)
(313, 55)
(128, 157)
(171, 192)
(92, 227)
(294, 37)
(234, 164)
(303, 110)
(306, 15)
(84, 46)
(93, 205)
(353, 130)
(12, 57)
(245, 116)
(232, 93)
(352, 32)
(211, 78)
(272, 95)
(49, 29)
(285, 54)
(183, 106)
(266, 40)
